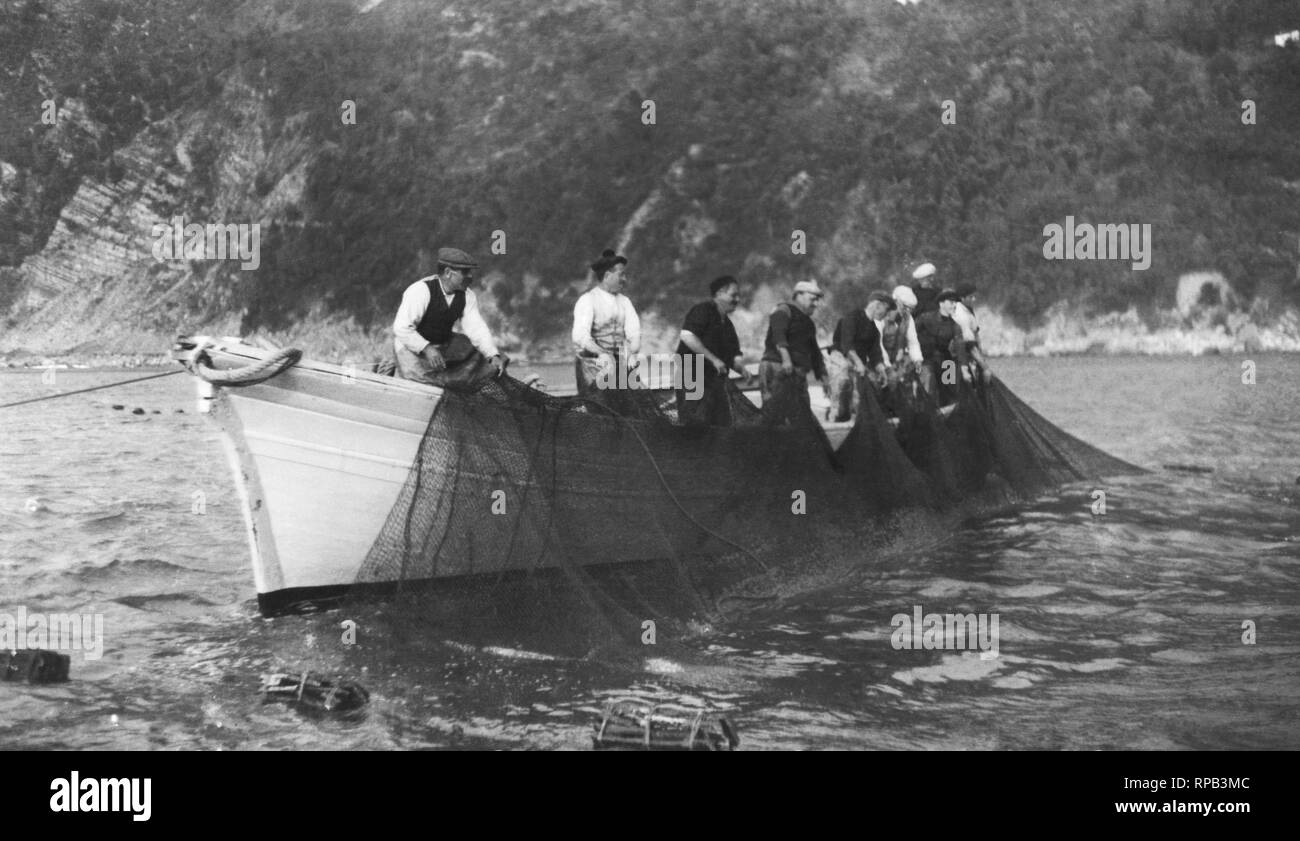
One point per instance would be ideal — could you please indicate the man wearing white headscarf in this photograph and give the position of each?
(900, 336)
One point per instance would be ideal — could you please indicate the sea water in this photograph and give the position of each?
(1165, 620)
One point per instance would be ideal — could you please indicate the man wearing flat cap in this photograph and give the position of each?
(942, 347)
(790, 352)
(606, 329)
(439, 334)
(859, 336)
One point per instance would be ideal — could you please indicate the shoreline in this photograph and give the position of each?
(1060, 335)
(77, 363)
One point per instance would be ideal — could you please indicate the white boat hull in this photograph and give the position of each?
(320, 454)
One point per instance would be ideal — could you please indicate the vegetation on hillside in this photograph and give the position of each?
(474, 116)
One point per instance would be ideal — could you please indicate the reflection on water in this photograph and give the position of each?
(1123, 630)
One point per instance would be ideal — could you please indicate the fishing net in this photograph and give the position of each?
(549, 509)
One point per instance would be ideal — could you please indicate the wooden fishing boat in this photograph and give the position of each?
(319, 454)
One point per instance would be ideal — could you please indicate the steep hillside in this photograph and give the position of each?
(532, 120)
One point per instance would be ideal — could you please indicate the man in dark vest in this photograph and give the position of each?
(709, 333)
(903, 345)
(789, 353)
(439, 334)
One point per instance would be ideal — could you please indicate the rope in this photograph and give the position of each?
(84, 390)
(258, 372)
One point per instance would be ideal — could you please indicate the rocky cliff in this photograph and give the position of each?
(846, 142)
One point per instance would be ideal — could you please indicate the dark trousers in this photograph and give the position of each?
(945, 376)
(465, 365)
(785, 396)
(711, 408)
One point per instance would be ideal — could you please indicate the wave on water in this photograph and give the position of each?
(151, 601)
(133, 568)
(91, 521)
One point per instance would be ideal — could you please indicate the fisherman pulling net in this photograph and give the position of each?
(629, 503)
(627, 514)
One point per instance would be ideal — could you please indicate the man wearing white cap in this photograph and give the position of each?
(789, 353)
(927, 294)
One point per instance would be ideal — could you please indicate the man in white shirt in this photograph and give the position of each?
(964, 315)
(440, 336)
(606, 329)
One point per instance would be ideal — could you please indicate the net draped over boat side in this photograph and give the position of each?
(508, 478)
(509, 481)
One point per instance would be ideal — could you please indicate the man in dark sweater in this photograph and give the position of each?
(942, 348)
(790, 352)
(858, 336)
(709, 336)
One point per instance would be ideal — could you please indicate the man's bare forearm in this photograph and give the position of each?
(693, 342)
